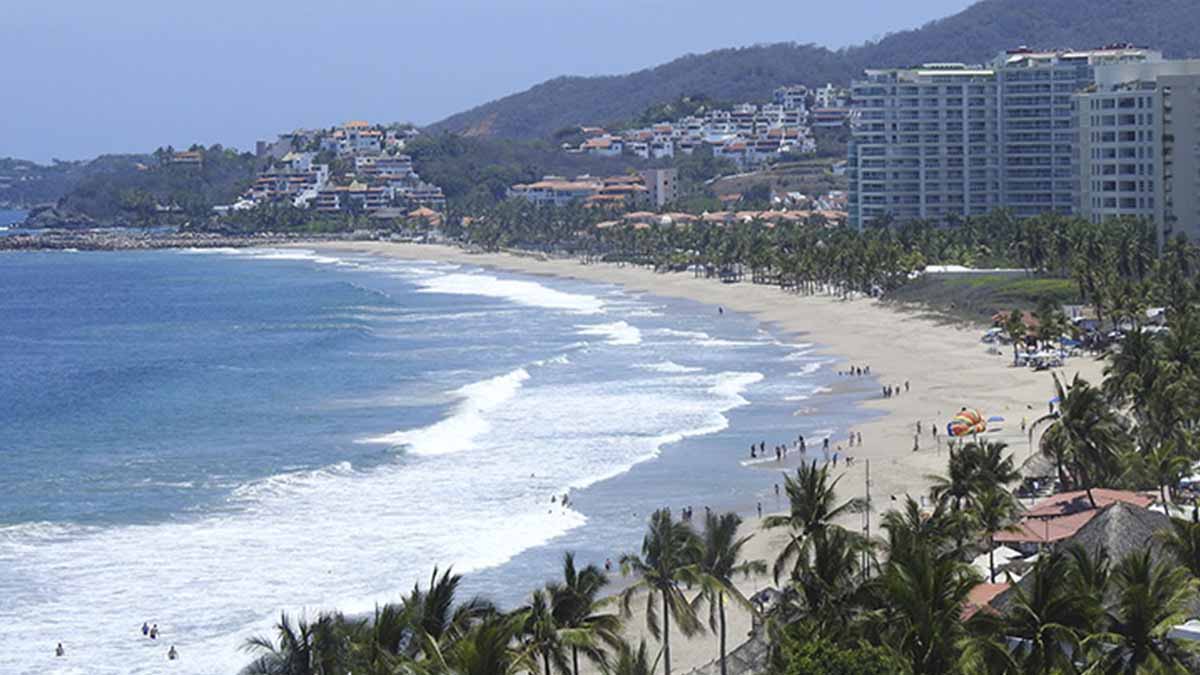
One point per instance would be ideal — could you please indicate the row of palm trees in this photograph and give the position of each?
(679, 574)
(1081, 612)
(1116, 265)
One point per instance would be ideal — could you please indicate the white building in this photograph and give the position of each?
(1139, 145)
(950, 140)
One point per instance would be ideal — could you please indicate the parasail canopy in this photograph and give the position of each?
(966, 423)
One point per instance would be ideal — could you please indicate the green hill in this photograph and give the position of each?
(750, 73)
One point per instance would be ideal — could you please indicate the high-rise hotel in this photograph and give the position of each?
(1095, 133)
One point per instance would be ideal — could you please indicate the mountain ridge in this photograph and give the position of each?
(750, 73)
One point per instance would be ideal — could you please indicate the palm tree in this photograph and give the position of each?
(923, 596)
(1086, 431)
(827, 589)
(812, 507)
(1015, 329)
(379, 645)
(994, 511)
(977, 467)
(908, 528)
(959, 482)
(578, 611)
(542, 635)
(631, 661)
(719, 562)
(1132, 368)
(991, 466)
(1047, 618)
(302, 649)
(1162, 465)
(1151, 600)
(670, 551)
(1183, 542)
(486, 648)
(434, 614)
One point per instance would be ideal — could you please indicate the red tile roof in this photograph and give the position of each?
(1066, 503)
(1062, 515)
(980, 596)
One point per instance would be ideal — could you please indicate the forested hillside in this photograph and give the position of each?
(750, 73)
(138, 192)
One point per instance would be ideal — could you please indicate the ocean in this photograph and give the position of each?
(8, 219)
(203, 439)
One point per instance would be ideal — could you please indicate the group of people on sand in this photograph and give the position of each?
(759, 450)
(856, 371)
(894, 390)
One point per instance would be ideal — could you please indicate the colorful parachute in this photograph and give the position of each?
(966, 423)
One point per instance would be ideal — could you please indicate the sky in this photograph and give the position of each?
(80, 78)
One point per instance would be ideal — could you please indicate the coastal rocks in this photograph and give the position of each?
(52, 217)
(127, 240)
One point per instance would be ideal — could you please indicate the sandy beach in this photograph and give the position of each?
(945, 366)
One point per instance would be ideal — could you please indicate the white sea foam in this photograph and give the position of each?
(689, 334)
(809, 368)
(702, 339)
(338, 536)
(294, 254)
(618, 333)
(521, 292)
(668, 367)
(458, 432)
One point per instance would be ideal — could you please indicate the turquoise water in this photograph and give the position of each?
(203, 439)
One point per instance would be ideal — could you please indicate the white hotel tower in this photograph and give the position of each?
(947, 140)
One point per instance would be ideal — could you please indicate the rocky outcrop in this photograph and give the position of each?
(52, 217)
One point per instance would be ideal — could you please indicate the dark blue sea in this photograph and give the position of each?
(204, 439)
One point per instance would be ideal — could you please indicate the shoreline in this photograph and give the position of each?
(946, 368)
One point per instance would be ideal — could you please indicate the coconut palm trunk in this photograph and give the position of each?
(666, 636)
(721, 615)
(992, 558)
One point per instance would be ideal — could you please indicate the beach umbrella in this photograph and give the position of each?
(966, 423)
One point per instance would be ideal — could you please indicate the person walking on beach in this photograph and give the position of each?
(154, 632)
(760, 510)
(172, 654)
(753, 451)
(145, 629)
(860, 439)
(59, 651)
(906, 386)
(777, 490)
(720, 310)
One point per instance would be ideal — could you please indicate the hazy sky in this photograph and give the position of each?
(83, 77)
